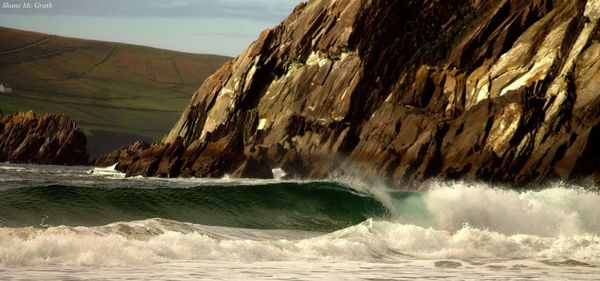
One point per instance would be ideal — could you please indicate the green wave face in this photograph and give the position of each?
(317, 206)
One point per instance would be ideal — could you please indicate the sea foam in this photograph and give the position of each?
(369, 241)
(553, 211)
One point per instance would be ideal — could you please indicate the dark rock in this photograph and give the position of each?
(122, 153)
(254, 169)
(41, 139)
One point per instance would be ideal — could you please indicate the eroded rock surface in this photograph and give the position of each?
(41, 139)
(504, 91)
(122, 154)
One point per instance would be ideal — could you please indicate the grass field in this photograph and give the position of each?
(115, 92)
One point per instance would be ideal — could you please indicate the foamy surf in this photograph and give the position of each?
(556, 210)
(158, 241)
(67, 220)
(110, 171)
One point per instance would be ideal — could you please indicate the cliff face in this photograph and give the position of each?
(502, 91)
(41, 139)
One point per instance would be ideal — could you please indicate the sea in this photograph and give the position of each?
(84, 223)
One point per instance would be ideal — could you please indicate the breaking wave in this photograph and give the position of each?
(296, 221)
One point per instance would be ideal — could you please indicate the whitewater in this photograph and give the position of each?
(84, 223)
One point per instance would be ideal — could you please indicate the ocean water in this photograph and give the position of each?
(72, 223)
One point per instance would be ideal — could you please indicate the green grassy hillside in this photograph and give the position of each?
(115, 92)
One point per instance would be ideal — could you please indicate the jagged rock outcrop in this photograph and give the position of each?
(502, 91)
(122, 154)
(32, 138)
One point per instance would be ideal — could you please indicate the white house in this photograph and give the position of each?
(5, 89)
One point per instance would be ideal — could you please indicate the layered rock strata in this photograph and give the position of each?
(502, 91)
(41, 139)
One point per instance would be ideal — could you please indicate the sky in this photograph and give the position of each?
(224, 27)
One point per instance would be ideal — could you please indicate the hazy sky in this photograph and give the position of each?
(223, 27)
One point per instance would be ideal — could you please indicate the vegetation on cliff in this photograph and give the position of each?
(116, 92)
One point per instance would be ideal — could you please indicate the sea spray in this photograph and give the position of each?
(552, 211)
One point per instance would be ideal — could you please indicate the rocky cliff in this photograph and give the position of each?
(406, 90)
(41, 139)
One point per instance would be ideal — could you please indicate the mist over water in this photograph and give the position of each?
(74, 217)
